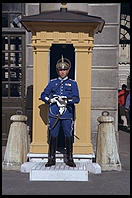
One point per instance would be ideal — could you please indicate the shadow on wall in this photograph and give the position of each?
(44, 113)
(44, 116)
(29, 110)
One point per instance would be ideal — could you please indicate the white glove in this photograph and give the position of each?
(53, 100)
(61, 110)
(62, 101)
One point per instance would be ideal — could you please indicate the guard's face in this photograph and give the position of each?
(63, 73)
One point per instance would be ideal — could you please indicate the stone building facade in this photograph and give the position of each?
(107, 61)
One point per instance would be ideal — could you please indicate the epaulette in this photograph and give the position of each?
(72, 80)
(53, 79)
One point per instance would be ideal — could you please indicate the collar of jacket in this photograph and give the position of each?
(63, 79)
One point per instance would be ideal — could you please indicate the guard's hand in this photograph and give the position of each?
(53, 100)
(60, 104)
(62, 99)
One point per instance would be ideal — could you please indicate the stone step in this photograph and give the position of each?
(42, 156)
(59, 172)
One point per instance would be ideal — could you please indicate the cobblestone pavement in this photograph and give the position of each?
(106, 183)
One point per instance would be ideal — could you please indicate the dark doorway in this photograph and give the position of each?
(56, 51)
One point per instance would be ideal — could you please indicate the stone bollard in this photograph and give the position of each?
(17, 144)
(106, 150)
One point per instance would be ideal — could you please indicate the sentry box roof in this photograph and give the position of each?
(63, 21)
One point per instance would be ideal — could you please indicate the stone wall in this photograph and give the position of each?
(105, 64)
(30, 9)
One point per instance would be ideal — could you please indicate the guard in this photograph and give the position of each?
(61, 94)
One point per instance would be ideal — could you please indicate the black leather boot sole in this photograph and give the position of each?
(70, 163)
(51, 162)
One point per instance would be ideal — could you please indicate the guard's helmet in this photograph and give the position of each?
(63, 63)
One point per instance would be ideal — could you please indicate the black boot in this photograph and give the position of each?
(69, 150)
(51, 152)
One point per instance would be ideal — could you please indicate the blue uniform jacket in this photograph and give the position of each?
(62, 87)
